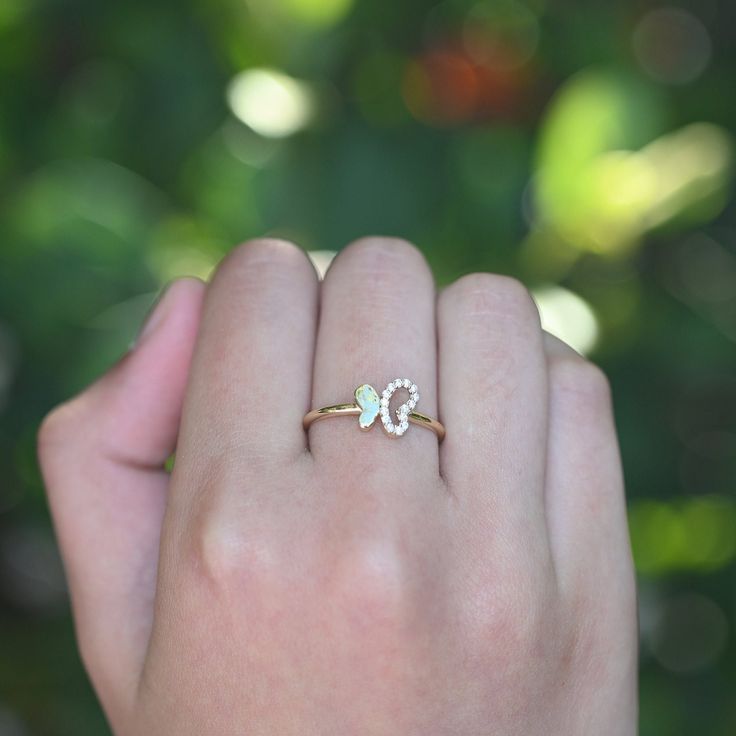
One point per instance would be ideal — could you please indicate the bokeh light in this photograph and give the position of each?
(311, 13)
(690, 635)
(270, 102)
(598, 192)
(707, 269)
(321, 260)
(695, 534)
(501, 33)
(672, 45)
(11, 12)
(568, 317)
(442, 87)
(11, 724)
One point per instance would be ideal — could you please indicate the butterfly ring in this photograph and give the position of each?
(368, 406)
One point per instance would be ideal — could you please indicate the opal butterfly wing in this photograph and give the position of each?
(369, 402)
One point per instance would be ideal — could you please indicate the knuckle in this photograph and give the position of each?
(254, 259)
(593, 623)
(228, 558)
(507, 633)
(57, 429)
(581, 382)
(383, 260)
(484, 296)
(368, 587)
(496, 322)
(506, 613)
(362, 589)
(52, 428)
(258, 276)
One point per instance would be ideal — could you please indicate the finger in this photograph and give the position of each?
(586, 508)
(252, 368)
(493, 398)
(102, 456)
(377, 324)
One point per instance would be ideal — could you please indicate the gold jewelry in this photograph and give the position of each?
(369, 405)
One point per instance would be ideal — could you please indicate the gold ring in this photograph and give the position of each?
(369, 405)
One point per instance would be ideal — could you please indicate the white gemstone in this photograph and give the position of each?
(384, 411)
(390, 427)
(386, 394)
(397, 383)
(411, 403)
(384, 401)
(406, 383)
(413, 388)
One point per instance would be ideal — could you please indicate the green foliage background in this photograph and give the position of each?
(578, 145)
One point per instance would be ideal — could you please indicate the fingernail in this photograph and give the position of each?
(155, 316)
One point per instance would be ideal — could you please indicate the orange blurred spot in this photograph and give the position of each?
(448, 87)
(441, 87)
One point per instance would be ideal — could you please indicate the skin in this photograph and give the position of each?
(339, 581)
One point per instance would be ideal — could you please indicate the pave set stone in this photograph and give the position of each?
(396, 429)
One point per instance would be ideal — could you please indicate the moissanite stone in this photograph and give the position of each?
(402, 413)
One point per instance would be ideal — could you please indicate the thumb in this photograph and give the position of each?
(102, 455)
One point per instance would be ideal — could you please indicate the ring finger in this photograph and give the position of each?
(377, 324)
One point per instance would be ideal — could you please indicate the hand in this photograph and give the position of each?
(341, 582)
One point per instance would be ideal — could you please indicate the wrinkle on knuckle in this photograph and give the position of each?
(384, 262)
(581, 383)
(60, 430)
(498, 324)
(257, 265)
(485, 297)
(52, 430)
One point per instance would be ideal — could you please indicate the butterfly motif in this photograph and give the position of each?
(370, 404)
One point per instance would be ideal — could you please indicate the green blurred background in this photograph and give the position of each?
(583, 147)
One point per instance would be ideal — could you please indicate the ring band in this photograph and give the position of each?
(369, 405)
